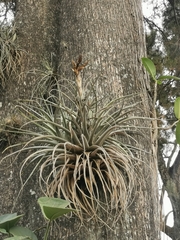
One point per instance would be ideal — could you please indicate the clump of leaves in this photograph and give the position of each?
(10, 55)
(82, 148)
(51, 209)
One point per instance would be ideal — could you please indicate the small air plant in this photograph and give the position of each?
(9, 131)
(78, 149)
(10, 54)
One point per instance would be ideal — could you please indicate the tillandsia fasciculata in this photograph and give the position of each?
(84, 149)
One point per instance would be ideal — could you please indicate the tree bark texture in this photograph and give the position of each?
(109, 35)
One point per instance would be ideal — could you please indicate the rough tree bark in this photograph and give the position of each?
(109, 35)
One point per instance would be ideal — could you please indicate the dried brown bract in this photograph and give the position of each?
(78, 66)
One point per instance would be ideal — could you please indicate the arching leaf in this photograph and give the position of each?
(150, 67)
(168, 77)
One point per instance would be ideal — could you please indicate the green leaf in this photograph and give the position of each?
(168, 77)
(8, 221)
(178, 133)
(23, 232)
(18, 238)
(159, 82)
(3, 231)
(53, 208)
(150, 67)
(177, 107)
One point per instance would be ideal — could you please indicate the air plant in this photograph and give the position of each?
(8, 135)
(10, 54)
(82, 146)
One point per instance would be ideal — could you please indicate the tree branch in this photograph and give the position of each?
(150, 22)
(163, 170)
(169, 231)
(175, 168)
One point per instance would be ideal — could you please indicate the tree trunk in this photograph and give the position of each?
(109, 35)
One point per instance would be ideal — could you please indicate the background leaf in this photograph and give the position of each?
(178, 133)
(18, 238)
(150, 67)
(8, 221)
(168, 77)
(2, 230)
(177, 107)
(23, 232)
